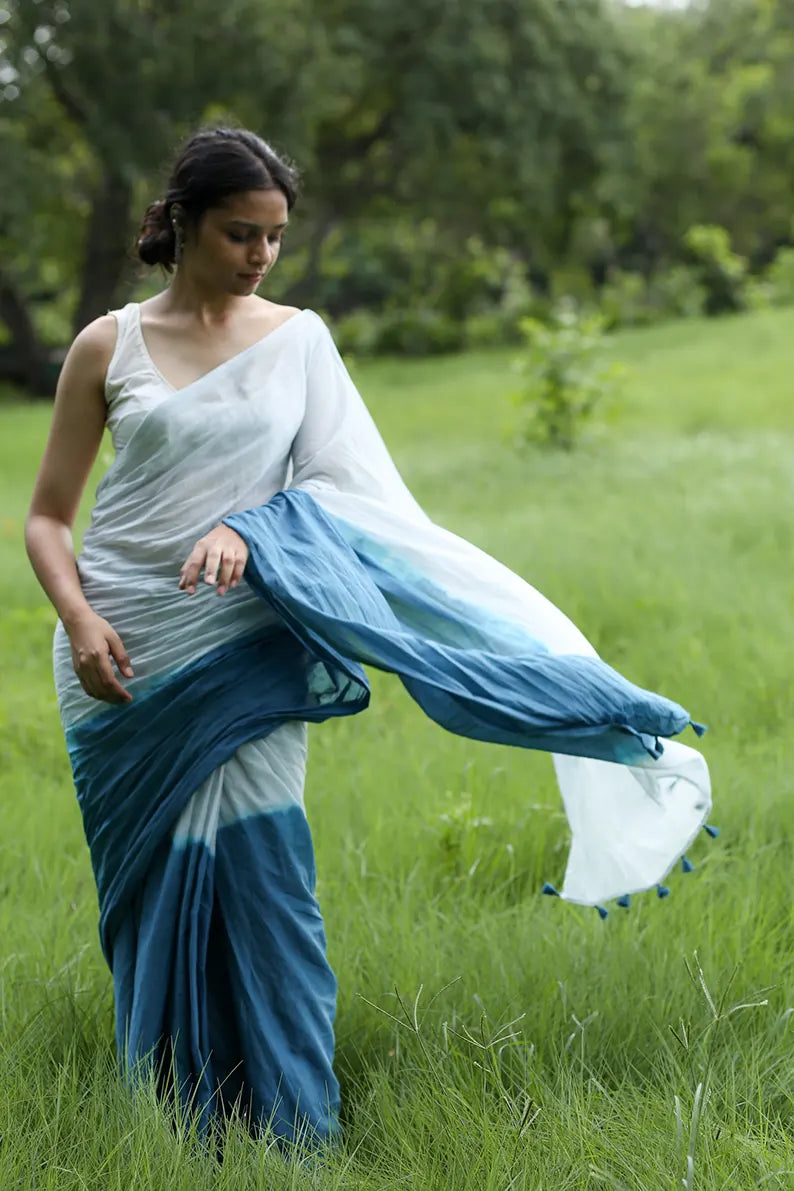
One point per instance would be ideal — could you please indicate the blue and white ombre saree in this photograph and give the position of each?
(192, 795)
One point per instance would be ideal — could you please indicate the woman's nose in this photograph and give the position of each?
(262, 252)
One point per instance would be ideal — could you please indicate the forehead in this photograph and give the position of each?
(266, 207)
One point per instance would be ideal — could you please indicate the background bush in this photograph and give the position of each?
(566, 378)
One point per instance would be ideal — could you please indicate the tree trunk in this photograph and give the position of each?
(107, 250)
(25, 361)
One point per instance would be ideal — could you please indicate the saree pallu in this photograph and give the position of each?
(192, 795)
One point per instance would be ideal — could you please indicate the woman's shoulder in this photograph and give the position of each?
(85, 366)
(95, 344)
(310, 326)
(273, 315)
(277, 310)
(315, 322)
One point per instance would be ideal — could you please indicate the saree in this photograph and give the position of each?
(192, 795)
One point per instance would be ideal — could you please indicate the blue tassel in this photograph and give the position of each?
(654, 746)
(712, 831)
(603, 912)
(686, 865)
(624, 901)
(699, 729)
(662, 891)
(550, 890)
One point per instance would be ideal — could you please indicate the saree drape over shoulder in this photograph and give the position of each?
(192, 795)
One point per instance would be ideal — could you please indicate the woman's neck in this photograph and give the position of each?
(211, 308)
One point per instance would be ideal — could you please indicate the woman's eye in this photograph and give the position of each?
(237, 238)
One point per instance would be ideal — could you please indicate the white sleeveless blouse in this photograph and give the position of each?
(132, 385)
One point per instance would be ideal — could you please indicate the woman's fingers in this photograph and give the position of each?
(120, 655)
(237, 573)
(226, 572)
(189, 575)
(95, 646)
(213, 562)
(222, 555)
(98, 680)
(112, 690)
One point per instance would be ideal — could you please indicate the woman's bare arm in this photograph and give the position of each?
(75, 434)
(76, 431)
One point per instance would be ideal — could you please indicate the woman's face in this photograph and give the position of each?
(236, 244)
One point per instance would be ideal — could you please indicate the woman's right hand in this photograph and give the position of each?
(94, 642)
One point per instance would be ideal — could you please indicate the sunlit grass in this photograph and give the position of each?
(668, 538)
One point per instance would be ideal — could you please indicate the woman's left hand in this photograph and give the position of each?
(223, 555)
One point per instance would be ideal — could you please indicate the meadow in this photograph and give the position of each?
(489, 1038)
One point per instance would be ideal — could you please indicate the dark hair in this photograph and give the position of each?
(214, 164)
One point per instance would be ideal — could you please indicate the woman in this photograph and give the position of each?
(244, 451)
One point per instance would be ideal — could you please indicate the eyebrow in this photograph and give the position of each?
(260, 227)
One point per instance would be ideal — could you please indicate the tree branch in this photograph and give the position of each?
(67, 101)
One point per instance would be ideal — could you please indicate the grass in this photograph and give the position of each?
(669, 540)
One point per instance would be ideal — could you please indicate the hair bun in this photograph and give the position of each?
(156, 243)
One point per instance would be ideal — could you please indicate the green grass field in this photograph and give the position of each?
(670, 540)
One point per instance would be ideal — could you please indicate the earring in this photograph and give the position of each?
(179, 240)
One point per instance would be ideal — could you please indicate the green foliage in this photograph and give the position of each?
(759, 293)
(565, 376)
(623, 301)
(780, 277)
(632, 300)
(418, 331)
(677, 292)
(723, 273)
(179, 63)
(484, 134)
(46, 178)
(569, 140)
(425, 292)
(358, 333)
(84, 161)
(487, 130)
(573, 282)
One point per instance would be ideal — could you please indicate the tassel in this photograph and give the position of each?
(698, 729)
(712, 831)
(686, 865)
(656, 749)
(624, 902)
(603, 912)
(549, 890)
(662, 891)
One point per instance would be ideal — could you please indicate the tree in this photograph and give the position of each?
(119, 83)
(485, 116)
(710, 117)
